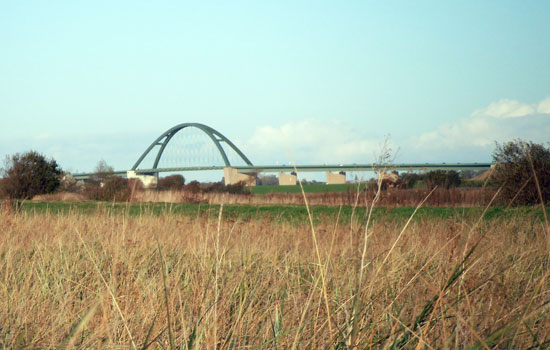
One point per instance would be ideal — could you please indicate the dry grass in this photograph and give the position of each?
(164, 282)
(396, 197)
(60, 196)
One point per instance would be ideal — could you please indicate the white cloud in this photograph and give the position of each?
(506, 108)
(311, 142)
(544, 106)
(501, 121)
(474, 131)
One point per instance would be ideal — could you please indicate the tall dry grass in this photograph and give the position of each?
(106, 281)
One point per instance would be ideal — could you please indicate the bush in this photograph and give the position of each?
(443, 178)
(172, 182)
(193, 187)
(29, 174)
(409, 180)
(103, 185)
(110, 189)
(238, 188)
(513, 170)
(220, 187)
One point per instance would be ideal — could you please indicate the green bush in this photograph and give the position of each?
(29, 174)
(515, 164)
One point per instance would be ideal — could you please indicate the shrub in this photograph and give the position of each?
(103, 185)
(193, 187)
(443, 178)
(172, 182)
(110, 189)
(238, 188)
(409, 180)
(29, 174)
(514, 171)
(220, 187)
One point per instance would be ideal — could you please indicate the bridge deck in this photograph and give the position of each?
(311, 168)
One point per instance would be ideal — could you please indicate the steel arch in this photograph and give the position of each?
(214, 135)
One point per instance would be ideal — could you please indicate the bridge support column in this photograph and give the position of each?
(148, 180)
(232, 177)
(287, 179)
(336, 178)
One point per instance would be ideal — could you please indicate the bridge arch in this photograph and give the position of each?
(213, 134)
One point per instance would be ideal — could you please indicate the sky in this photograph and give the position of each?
(304, 81)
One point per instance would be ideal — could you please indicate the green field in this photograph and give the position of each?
(283, 213)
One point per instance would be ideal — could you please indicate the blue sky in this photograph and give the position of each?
(84, 81)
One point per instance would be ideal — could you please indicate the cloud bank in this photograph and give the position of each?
(507, 108)
(310, 142)
(474, 136)
(468, 139)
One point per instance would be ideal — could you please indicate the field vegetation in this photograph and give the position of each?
(282, 213)
(116, 276)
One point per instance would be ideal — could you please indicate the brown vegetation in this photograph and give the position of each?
(396, 197)
(112, 281)
(60, 196)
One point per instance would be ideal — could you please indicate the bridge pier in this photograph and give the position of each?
(148, 180)
(232, 177)
(336, 178)
(287, 179)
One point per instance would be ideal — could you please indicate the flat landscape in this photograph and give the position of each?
(253, 175)
(183, 276)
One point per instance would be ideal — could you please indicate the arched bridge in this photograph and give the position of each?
(242, 172)
(217, 138)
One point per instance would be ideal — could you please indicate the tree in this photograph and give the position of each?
(409, 180)
(443, 178)
(517, 163)
(29, 174)
(102, 171)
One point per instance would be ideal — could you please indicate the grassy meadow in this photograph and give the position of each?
(92, 275)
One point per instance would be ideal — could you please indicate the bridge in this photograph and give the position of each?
(237, 167)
